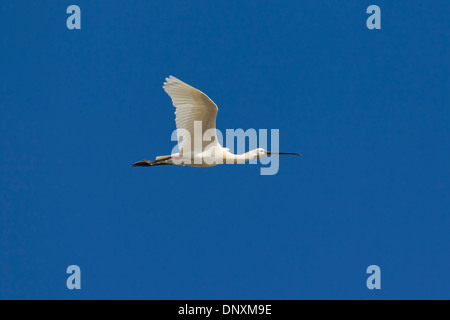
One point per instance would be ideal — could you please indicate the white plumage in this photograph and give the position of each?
(193, 106)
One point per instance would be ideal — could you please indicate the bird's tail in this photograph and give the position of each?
(162, 160)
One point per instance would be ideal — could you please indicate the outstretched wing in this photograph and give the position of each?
(192, 106)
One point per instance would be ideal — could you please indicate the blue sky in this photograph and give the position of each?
(369, 111)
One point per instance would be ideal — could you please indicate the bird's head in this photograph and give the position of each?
(261, 153)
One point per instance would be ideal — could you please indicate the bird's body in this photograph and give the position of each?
(211, 158)
(195, 118)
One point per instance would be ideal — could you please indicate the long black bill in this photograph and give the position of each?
(292, 154)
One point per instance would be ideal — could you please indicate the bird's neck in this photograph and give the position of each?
(240, 158)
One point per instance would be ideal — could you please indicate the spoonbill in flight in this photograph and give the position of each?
(194, 107)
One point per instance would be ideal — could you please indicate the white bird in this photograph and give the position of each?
(192, 106)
